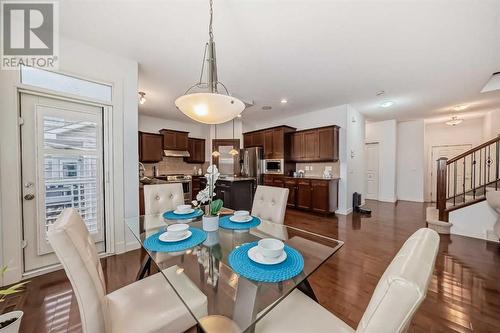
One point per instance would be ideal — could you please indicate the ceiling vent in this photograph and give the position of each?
(493, 84)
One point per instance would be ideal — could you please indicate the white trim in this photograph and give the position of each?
(344, 212)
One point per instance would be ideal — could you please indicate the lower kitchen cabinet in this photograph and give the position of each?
(320, 196)
(291, 185)
(317, 195)
(303, 195)
(196, 186)
(237, 194)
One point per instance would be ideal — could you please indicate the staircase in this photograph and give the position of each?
(465, 179)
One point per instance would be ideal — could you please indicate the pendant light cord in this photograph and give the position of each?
(210, 32)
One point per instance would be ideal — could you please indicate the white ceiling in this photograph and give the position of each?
(427, 55)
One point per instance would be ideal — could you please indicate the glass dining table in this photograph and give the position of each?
(229, 295)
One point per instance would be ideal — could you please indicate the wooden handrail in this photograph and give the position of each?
(472, 150)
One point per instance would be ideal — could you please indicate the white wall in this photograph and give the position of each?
(355, 154)
(338, 115)
(87, 62)
(411, 160)
(385, 133)
(470, 131)
(473, 221)
(491, 125)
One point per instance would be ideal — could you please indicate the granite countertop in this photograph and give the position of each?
(311, 178)
(152, 181)
(236, 179)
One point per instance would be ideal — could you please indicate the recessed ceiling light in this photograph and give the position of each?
(386, 104)
(267, 107)
(239, 116)
(283, 101)
(460, 107)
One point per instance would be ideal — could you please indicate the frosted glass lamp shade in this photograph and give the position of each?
(209, 108)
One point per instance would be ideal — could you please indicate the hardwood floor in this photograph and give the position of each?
(464, 294)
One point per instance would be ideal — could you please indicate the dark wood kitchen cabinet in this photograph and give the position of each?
(236, 195)
(268, 143)
(303, 195)
(291, 185)
(310, 194)
(196, 149)
(311, 149)
(320, 196)
(195, 186)
(174, 140)
(150, 147)
(272, 140)
(315, 145)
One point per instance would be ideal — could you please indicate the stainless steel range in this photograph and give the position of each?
(185, 180)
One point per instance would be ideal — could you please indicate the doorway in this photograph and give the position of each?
(227, 164)
(62, 166)
(448, 151)
(372, 170)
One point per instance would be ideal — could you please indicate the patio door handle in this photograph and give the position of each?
(29, 197)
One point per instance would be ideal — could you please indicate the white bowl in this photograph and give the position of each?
(241, 215)
(183, 208)
(270, 247)
(178, 230)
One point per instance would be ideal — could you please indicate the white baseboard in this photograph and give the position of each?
(133, 245)
(344, 212)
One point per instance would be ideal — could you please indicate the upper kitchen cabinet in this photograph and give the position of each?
(272, 140)
(174, 140)
(196, 149)
(315, 145)
(150, 147)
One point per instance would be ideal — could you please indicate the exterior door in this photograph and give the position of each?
(62, 166)
(372, 170)
(449, 151)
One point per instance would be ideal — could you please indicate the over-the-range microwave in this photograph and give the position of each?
(274, 166)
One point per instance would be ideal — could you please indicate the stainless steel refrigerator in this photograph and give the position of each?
(251, 163)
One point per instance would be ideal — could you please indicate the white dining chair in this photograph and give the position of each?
(162, 197)
(149, 305)
(269, 203)
(398, 294)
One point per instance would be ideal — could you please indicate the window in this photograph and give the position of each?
(65, 84)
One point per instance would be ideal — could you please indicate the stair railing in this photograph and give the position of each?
(464, 180)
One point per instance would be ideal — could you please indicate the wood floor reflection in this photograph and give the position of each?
(464, 294)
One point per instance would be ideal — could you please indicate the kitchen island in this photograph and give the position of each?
(236, 192)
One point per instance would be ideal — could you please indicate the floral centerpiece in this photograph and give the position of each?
(205, 196)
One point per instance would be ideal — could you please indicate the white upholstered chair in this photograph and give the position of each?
(269, 203)
(396, 298)
(149, 305)
(493, 199)
(162, 197)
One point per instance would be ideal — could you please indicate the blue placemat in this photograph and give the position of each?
(170, 215)
(243, 265)
(226, 223)
(153, 243)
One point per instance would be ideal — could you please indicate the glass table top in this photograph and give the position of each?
(242, 300)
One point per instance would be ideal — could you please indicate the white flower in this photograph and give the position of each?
(203, 196)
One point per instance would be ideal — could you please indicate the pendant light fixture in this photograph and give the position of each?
(233, 151)
(215, 153)
(209, 106)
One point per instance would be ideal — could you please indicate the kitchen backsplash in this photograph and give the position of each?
(171, 165)
(318, 168)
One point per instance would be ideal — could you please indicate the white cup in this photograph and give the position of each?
(270, 247)
(183, 208)
(177, 230)
(241, 215)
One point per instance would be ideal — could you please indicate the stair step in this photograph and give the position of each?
(433, 222)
